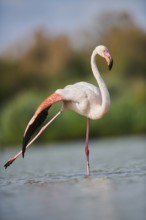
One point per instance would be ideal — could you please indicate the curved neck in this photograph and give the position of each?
(105, 97)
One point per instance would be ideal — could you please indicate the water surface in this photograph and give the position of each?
(51, 182)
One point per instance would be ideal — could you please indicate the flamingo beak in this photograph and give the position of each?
(109, 59)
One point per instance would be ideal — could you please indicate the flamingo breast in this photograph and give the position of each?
(83, 98)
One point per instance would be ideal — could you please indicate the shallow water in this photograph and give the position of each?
(51, 183)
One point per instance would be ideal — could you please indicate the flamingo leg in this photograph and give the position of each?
(12, 159)
(87, 146)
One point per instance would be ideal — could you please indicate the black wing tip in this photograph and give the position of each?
(33, 127)
(23, 146)
(110, 64)
(23, 154)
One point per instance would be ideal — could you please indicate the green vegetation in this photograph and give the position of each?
(51, 63)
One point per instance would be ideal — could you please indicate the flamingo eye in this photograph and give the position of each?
(105, 51)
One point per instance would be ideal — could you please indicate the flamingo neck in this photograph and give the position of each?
(105, 97)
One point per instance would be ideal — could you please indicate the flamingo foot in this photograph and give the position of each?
(88, 169)
(86, 146)
(87, 159)
(9, 162)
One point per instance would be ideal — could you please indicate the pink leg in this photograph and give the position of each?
(86, 146)
(12, 159)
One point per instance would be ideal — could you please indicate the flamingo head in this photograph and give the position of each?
(104, 52)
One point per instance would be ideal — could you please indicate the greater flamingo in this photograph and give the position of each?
(82, 97)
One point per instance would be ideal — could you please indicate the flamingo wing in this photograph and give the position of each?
(38, 118)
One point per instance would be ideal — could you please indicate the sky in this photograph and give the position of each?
(18, 18)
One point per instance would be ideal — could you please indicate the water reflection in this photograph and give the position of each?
(51, 183)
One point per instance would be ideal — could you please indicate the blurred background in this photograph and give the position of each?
(45, 45)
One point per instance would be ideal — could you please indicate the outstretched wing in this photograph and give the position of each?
(33, 126)
(38, 118)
